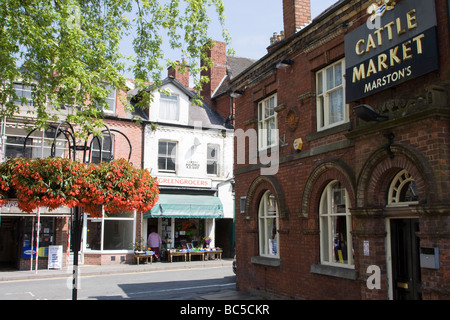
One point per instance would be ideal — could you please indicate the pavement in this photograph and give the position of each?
(93, 270)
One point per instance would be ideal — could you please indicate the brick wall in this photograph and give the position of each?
(296, 14)
(181, 75)
(355, 154)
(217, 72)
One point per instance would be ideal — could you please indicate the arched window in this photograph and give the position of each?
(403, 190)
(268, 226)
(335, 226)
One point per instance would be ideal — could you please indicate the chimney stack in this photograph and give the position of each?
(296, 15)
(176, 74)
(218, 54)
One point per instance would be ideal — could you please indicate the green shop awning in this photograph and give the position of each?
(186, 206)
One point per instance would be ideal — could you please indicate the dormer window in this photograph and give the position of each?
(169, 108)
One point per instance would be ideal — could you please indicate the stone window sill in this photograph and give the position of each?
(333, 271)
(265, 261)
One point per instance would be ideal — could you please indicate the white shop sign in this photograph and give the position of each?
(55, 254)
(185, 182)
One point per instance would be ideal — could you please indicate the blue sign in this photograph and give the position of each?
(26, 253)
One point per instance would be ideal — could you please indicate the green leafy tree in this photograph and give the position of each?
(68, 51)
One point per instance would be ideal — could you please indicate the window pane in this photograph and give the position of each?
(271, 236)
(338, 200)
(337, 75)
(212, 152)
(319, 83)
(266, 122)
(336, 106)
(271, 106)
(170, 164)
(272, 134)
(25, 92)
(212, 160)
(324, 236)
(14, 147)
(111, 105)
(409, 192)
(268, 224)
(266, 109)
(162, 148)
(340, 239)
(169, 107)
(321, 112)
(334, 224)
(269, 137)
(107, 147)
(171, 149)
(162, 163)
(118, 234)
(94, 234)
(330, 79)
(110, 99)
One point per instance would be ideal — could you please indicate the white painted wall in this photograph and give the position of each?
(192, 146)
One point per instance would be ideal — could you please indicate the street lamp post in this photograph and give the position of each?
(67, 130)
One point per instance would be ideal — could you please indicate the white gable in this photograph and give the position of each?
(183, 106)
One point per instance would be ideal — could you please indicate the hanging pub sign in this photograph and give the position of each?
(396, 44)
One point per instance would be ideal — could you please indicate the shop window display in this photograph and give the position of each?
(190, 231)
(46, 234)
(268, 226)
(113, 232)
(335, 226)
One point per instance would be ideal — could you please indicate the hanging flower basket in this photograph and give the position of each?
(56, 182)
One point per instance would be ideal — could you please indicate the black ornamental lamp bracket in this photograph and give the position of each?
(66, 131)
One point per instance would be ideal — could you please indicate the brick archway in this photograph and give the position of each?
(258, 187)
(319, 178)
(380, 169)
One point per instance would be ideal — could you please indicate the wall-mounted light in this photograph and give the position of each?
(283, 64)
(237, 93)
(366, 113)
(224, 133)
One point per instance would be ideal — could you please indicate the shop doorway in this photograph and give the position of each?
(405, 259)
(9, 241)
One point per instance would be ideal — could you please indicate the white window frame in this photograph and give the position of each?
(38, 146)
(105, 154)
(268, 209)
(171, 100)
(264, 120)
(166, 156)
(401, 180)
(110, 100)
(324, 95)
(102, 232)
(24, 89)
(328, 215)
(215, 159)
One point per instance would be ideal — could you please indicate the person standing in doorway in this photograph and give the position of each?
(154, 241)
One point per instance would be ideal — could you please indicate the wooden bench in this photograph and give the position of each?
(197, 253)
(177, 254)
(218, 252)
(143, 256)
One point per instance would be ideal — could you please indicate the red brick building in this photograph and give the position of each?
(342, 190)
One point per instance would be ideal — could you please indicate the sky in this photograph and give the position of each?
(251, 24)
